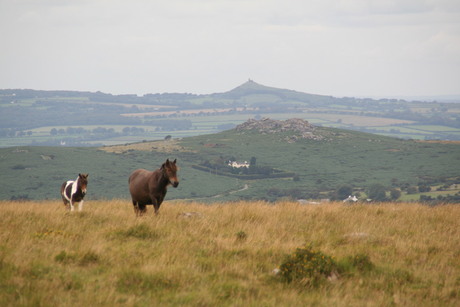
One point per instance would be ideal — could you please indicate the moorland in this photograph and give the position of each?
(274, 232)
(310, 163)
(229, 254)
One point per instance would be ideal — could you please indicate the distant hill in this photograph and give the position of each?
(252, 88)
(291, 158)
(70, 118)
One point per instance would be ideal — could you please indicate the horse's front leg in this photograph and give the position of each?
(156, 204)
(80, 205)
(71, 205)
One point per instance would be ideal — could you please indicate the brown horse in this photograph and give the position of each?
(73, 191)
(149, 188)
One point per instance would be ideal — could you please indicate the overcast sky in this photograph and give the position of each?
(333, 47)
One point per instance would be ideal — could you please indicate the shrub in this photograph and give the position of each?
(138, 282)
(377, 192)
(343, 192)
(241, 235)
(307, 265)
(395, 194)
(88, 258)
(64, 257)
(359, 262)
(140, 231)
(19, 167)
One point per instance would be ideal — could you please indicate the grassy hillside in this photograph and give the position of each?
(321, 166)
(224, 255)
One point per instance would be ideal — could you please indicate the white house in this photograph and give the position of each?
(235, 164)
(351, 198)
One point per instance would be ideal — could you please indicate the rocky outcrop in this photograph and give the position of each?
(301, 129)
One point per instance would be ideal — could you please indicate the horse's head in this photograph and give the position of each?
(170, 172)
(83, 182)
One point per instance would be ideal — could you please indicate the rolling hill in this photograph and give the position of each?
(66, 118)
(290, 159)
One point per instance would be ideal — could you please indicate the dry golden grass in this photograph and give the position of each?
(224, 254)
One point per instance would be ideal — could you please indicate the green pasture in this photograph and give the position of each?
(434, 128)
(416, 196)
(209, 124)
(342, 157)
(407, 136)
(402, 129)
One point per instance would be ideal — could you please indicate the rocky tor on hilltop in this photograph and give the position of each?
(301, 129)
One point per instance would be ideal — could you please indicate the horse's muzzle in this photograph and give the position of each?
(175, 183)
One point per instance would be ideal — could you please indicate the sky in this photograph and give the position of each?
(354, 48)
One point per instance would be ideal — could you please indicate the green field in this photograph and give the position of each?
(27, 116)
(209, 124)
(321, 166)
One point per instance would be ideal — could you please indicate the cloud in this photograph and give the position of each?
(345, 47)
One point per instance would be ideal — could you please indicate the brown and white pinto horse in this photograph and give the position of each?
(73, 191)
(149, 188)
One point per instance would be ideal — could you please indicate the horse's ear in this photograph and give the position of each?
(174, 161)
(163, 165)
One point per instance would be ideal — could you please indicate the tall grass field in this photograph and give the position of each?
(229, 254)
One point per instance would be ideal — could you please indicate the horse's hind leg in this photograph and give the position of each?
(71, 205)
(142, 209)
(65, 201)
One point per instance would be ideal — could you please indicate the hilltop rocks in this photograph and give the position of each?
(301, 129)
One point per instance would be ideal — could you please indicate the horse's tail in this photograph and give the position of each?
(63, 188)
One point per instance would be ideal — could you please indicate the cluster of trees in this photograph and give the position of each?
(80, 130)
(12, 132)
(294, 193)
(169, 124)
(83, 131)
(378, 192)
(440, 199)
(375, 192)
(220, 166)
(166, 125)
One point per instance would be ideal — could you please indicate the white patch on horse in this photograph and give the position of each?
(64, 193)
(72, 192)
(75, 187)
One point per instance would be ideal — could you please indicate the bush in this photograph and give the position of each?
(88, 258)
(424, 188)
(395, 194)
(241, 236)
(140, 231)
(359, 262)
(412, 190)
(139, 283)
(377, 192)
(307, 265)
(343, 192)
(65, 258)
